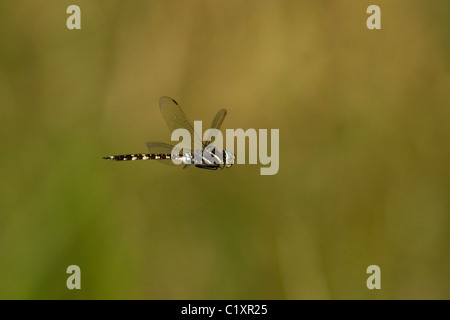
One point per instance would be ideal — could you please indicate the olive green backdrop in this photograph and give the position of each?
(364, 150)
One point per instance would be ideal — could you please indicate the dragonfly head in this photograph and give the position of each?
(228, 158)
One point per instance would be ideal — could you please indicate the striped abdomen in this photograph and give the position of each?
(139, 156)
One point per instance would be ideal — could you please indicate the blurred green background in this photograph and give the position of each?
(364, 150)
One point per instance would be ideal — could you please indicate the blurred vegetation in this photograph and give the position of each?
(364, 156)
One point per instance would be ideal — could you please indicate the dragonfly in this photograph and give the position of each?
(208, 157)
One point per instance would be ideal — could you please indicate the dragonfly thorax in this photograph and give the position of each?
(212, 158)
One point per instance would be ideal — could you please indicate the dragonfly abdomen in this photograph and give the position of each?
(140, 156)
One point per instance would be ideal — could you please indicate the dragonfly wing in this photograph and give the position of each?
(175, 117)
(217, 122)
(163, 148)
(218, 119)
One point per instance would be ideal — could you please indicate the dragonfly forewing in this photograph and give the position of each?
(176, 119)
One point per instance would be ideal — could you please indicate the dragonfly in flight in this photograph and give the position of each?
(209, 157)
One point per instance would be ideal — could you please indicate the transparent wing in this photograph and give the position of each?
(217, 122)
(175, 117)
(163, 148)
(218, 119)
